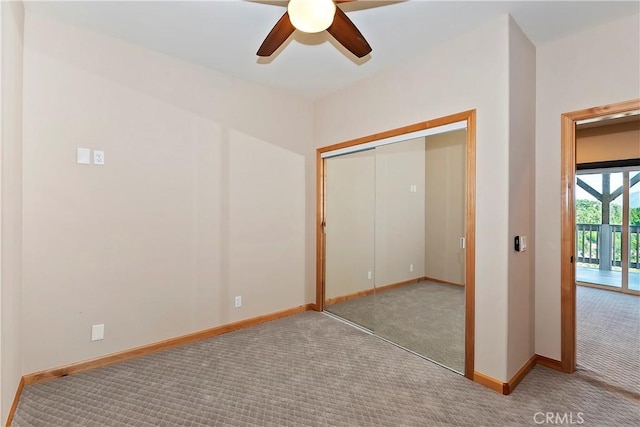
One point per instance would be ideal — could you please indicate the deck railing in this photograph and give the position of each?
(587, 243)
(590, 243)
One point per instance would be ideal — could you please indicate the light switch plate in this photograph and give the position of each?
(83, 156)
(97, 332)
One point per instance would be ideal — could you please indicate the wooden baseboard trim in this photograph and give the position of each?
(549, 363)
(16, 399)
(444, 282)
(368, 292)
(348, 297)
(109, 359)
(489, 382)
(507, 388)
(522, 372)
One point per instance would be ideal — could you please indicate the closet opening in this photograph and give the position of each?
(396, 237)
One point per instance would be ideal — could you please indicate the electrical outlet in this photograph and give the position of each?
(97, 332)
(369, 275)
(98, 157)
(238, 301)
(410, 267)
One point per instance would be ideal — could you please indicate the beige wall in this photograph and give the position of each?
(11, 53)
(522, 88)
(604, 143)
(469, 72)
(350, 215)
(207, 193)
(445, 206)
(399, 216)
(568, 79)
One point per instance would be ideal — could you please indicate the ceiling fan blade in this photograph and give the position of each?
(278, 35)
(345, 32)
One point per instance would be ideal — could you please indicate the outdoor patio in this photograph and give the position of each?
(611, 278)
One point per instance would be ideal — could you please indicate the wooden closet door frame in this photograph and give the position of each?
(470, 235)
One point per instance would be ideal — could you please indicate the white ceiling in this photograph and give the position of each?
(225, 35)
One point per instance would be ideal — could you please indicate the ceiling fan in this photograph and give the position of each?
(314, 16)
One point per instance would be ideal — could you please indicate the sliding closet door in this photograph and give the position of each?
(350, 237)
(400, 245)
(445, 247)
(420, 254)
(394, 229)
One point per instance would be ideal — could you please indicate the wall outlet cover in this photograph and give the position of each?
(98, 157)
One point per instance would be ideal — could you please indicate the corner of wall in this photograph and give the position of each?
(11, 53)
(191, 230)
(521, 300)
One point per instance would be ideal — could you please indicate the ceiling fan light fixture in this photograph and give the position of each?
(311, 16)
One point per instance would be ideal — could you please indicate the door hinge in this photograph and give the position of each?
(571, 259)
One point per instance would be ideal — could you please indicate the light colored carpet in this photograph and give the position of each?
(425, 317)
(608, 341)
(307, 370)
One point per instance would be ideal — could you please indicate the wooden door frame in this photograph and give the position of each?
(568, 224)
(470, 235)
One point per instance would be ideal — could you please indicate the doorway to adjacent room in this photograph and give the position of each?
(599, 244)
